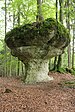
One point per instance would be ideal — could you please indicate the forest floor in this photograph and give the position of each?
(54, 96)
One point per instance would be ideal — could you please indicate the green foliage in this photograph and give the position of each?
(48, 9)
(70, 9)
(1, 45)
(27, 10)
(65, 70)
(72, 72)
(69, 84)
(62, 70)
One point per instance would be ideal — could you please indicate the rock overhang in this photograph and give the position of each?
(38, 40)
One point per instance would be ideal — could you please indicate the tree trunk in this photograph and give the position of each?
(68, 26)
(10, 56)
(56, 9)
(5, 57)
(39, 16)
(59, 63)
(22, 68)
(55, 63)
(18, 21)
(73, 46)
(10, 65)
(61, 20)
(18, 67)
(49, 64)
(55, 59)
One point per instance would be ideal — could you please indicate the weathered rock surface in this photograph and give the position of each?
(37, 42)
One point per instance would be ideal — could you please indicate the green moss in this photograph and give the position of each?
(69, 84)
(51, 23)
(28, 33)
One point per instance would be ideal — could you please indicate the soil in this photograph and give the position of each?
(53, 96)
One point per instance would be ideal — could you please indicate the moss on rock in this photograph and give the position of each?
(34, 44)
(38, 34)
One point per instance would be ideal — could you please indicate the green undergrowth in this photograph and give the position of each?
(70, 70)
(69, 84)
(65, 70)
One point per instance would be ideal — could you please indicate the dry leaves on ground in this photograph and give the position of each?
(51, 96)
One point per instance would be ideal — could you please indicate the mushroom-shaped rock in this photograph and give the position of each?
(35, 43)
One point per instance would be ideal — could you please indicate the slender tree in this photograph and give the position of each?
(18, 21)
(5, 34)
(61, 20)
(39, 16)
(10, 56)
(55, 60)
(20, 64)
(68, 26)
(73, 45)
(73, 59)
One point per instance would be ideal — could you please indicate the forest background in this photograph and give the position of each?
(14, 13)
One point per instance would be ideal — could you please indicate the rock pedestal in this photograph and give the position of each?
(37, 71)
(34, 44)
(36, 60)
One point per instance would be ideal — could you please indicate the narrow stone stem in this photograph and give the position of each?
(37, 71)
